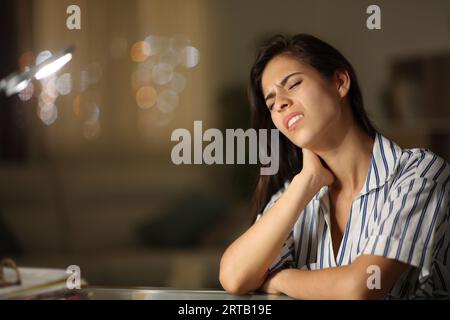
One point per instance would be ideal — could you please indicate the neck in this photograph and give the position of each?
(347, 154)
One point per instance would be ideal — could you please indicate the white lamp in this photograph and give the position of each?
(16, 82)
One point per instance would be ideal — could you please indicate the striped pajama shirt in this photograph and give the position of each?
(401, 213)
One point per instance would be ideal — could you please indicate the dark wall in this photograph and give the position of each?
(12, 115)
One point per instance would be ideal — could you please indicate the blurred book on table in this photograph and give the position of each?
(39, 283)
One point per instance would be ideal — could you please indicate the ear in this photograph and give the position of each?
(342, 79)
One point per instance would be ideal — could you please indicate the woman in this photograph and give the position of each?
(349, 215)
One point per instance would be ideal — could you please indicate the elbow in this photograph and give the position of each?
(231, 284)
(233, 287)
(231, 281)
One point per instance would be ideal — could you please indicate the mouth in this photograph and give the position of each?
(292, 120)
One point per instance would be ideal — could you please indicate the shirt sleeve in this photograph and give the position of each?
(285, 258)
(414, 220)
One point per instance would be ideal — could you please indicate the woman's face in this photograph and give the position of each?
(304, 105)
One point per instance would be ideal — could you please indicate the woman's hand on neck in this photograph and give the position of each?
(316, 169)
(348, 157)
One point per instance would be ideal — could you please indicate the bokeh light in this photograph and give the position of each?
(47, 112)
(162, 73)
(64, 84)
(84, 105)
(170, 57)
(140, 51)
(190, 57)
(77, 102)
(156, 44)
(178, 82)
(146, 97)
(91, 113)
(26, 60)
(156, 80)
(27, 93)
(167, 101)
(148, 64)
(42, 56)
(49, 87)
(86, 109)
(91, 130)
(84, 80)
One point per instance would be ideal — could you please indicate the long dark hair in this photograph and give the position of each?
(326, 60)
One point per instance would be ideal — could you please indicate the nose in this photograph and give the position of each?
(282, 102)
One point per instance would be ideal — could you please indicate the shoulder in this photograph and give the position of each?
(420, 163)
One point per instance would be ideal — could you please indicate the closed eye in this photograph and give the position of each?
(295, 84)
(291, 87)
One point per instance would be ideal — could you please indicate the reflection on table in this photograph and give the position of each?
(106, 293)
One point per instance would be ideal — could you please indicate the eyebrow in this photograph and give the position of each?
(282, 83)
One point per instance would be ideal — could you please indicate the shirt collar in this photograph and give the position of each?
(383, 164)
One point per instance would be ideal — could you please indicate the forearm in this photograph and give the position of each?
(245, 263)
(333, 283)
(343, 282)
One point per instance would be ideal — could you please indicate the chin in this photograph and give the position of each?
(302, 139)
